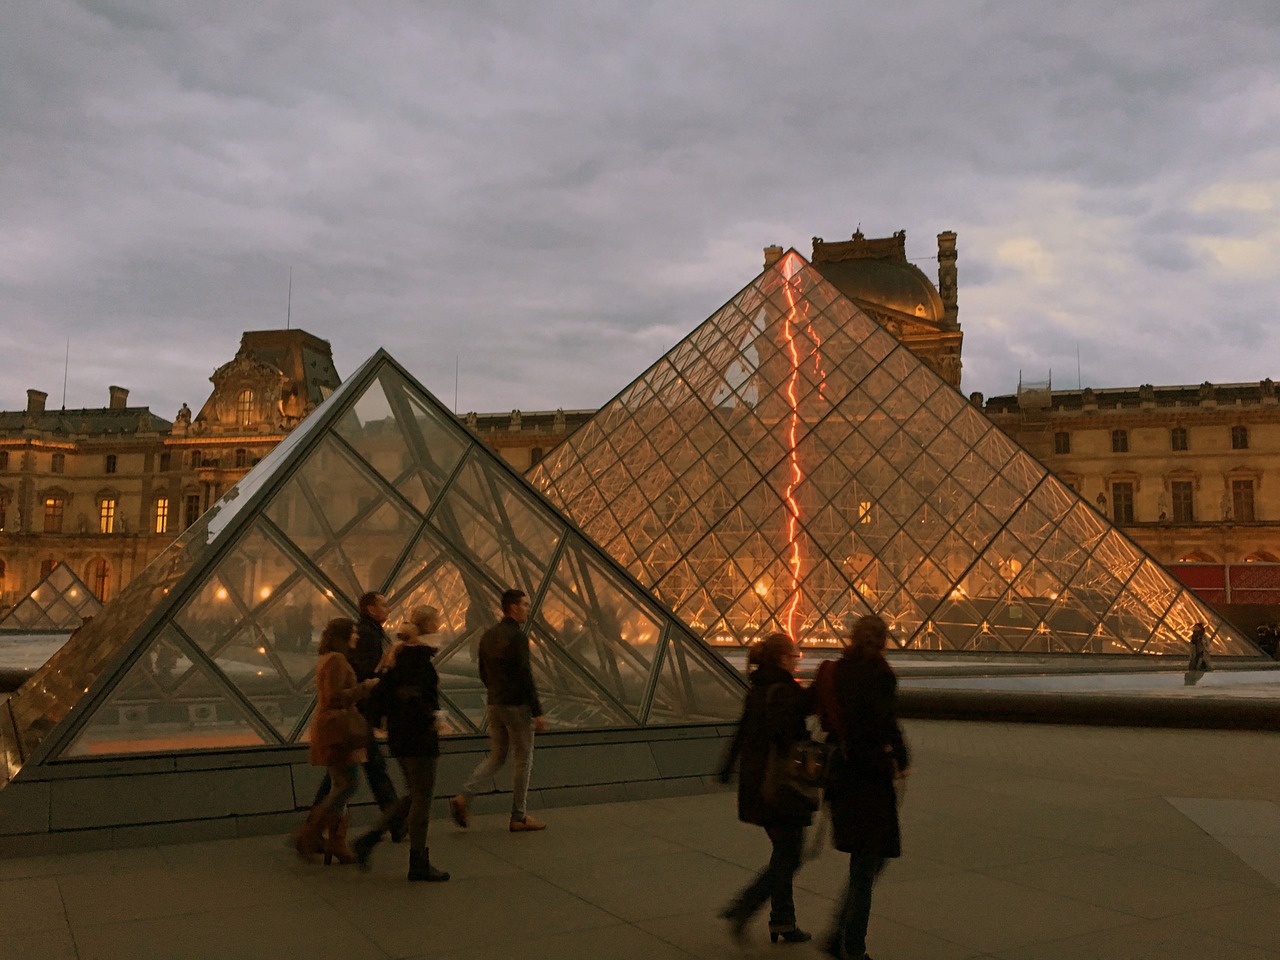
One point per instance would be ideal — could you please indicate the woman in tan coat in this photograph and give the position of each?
(336, 743)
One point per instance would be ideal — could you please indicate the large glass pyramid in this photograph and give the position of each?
(58, 603)
(791, 465)
(214, 645)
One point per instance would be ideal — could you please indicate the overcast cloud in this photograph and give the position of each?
(551, 194)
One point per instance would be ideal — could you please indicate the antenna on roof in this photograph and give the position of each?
(66, 364)
(288, 313)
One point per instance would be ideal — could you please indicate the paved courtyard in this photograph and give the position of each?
(1022, 842)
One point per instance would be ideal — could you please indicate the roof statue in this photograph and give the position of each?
(214, 644)
(791, 465)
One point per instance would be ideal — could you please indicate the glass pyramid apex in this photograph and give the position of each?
(791, 465)
(214, 645)
(61, 601)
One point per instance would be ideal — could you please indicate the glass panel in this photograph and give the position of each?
(603, 625)
(569, 699)
(61, 601)
(165, 703)
(691, 688)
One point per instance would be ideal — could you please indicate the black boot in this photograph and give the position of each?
(363, 847)
(420, 868)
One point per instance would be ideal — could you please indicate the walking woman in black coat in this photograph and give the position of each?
(855, 697)
(772, 716)
(408, 698)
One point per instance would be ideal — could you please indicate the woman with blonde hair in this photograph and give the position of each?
(772, 718)
(338, 735)
(409, 699)
(856, 705)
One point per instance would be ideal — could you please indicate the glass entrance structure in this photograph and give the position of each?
(59, 603)
(214, 645)
(790, 465)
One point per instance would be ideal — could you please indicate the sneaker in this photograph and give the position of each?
(458, 810)
(528, 823)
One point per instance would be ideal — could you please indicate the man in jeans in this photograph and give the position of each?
(515, 714)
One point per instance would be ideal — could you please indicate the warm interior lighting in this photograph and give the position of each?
(958, 593)
(73, 592)
(761, 589)
(221, 593)
(264, 593)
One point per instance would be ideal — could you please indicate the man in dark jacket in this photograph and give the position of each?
(515, 714)
(363, 657)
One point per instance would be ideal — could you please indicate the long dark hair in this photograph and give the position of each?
(336, 637)
(770, 651)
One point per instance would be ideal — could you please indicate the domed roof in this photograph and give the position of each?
(877, 271)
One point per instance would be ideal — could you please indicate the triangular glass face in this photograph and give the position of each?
(61, 601)
(380, 490)
(791, 465)
(691, 688)
(167, 701)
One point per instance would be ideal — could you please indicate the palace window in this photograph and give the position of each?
(4, 511)
(190, 510)
(1239, 438)
(4, 459)
(1122, 503)
(196, 459)
(1242, 501)
(58, 463)
(165, 461)
(109, 463)
(1062, 442)
(162, 515)
(1178, 438)
(242, 459)
(1119, 441)
(99, 577)
(244, 407)
(107, 515)
(53, 507)
(1183, 492)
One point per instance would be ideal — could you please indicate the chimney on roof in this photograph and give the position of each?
(119, 398)
(35, 401)
(772, 254)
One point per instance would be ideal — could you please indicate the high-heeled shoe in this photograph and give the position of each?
(794, 935)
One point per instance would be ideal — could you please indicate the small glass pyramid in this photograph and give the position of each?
(214, 645)
(59, 602)
(790, 465)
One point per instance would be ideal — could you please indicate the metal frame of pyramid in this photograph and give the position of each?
(59, 603)
(213, 645)
(791, 465)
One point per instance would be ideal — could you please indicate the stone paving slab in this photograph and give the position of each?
(1021, 842)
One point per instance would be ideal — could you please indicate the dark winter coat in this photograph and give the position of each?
(864, 807)
(772, 715)
(505, 669)
(407, 698)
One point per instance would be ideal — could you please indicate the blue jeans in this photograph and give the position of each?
(510, 730)
(849, 938)
(773, 883)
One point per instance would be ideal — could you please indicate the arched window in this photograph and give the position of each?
(99, 573)
(1262, 556)
(1196, 556)
(244, 407)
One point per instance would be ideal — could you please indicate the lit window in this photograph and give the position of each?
(109, 463)
(162, 515)
(864, 511)
(1119, 441)
(1178, 438)
(1062, 442)
(53, 507)
(99, 574)
(1122, 502)
(58, 463)
(1183, 501)
(107, 515)
(1239, 438)
(244, 408)
(1242, 501)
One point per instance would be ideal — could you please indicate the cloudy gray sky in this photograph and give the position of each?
(552, 193)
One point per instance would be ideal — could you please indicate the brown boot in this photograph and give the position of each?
(308, 839)
(335, 844)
